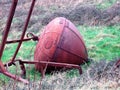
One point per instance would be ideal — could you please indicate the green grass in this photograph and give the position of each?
(26, 51)
(105, 4)
(102, 42)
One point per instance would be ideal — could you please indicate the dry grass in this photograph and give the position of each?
(99, 76)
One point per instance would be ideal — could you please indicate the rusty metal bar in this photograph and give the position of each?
(23, 74)
(16, 77)
(7, 28)
(24, 29)
(22, 66)
(16, 41)
(54, 64)
(2, 69)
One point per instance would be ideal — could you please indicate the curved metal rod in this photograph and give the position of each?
(34, 37)
(16, 77)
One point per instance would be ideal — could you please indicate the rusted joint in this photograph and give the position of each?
(10, 63)
(34, 37)
(22, 66)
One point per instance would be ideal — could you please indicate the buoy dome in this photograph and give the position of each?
(60, 42)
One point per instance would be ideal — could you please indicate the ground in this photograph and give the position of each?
(98, 22)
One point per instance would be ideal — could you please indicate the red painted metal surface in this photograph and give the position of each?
(60, 42)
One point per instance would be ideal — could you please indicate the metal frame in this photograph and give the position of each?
(22, 39)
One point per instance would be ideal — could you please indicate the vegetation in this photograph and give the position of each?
(102, 42)
(105, 4)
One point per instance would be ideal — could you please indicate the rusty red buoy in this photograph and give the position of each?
(60, 42)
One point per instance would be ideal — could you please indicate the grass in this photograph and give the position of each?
(26, 51)
(102, 42)
(105, 4)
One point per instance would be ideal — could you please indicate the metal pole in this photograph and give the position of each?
(24, 30)
(27, 39)
(7, 27)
